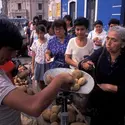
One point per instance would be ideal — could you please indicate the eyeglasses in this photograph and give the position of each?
(111, 39)
(58, 29)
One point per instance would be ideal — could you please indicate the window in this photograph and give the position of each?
(19, 6)
(40, 17)
(18, 16)
(72, 10)
(39, 6)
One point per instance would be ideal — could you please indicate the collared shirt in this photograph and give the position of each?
(58, 51)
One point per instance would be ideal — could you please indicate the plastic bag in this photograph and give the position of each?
(28, 120)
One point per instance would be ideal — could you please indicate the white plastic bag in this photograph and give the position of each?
(27, 120)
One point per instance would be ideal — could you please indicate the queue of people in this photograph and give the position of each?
(61, 44)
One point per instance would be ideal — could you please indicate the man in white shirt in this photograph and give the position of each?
(98, 35)
(79, 46)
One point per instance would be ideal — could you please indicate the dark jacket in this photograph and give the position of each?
(111, 73)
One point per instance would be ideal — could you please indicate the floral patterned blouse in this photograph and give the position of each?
(58, 52)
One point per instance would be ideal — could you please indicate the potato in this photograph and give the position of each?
(18, 79)
(77, 74)
(26, 82)
(24, 74)
(23, 80)
(82, 81)
(49, 78)
(16, 84)
(71, 116)
(15, 80)
(78, 123)
(54, 123)
(46, 114)
(21, 83)
(76, 81)
(75, 87)
(55, 109)
(70, 108)
(53, 117)
(79, 118)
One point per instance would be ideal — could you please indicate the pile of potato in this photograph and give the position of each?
(53, 115)
(80, 80)
(78, 77)
(21, 82)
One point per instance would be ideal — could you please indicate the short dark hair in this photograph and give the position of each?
(35, 18)
(69, 18)
(49, 26)
(59, 23)
(9, 35)
(114, 21)
(98, 22)
(41, 28)
(44, 22)
(81, 21)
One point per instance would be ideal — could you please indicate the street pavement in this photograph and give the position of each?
(25, 60)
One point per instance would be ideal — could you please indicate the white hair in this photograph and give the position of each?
(120, 31)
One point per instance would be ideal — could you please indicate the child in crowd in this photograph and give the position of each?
(38, 48)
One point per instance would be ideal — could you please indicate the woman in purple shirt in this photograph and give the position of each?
(57, 46)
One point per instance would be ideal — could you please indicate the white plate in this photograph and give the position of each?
(85, 89)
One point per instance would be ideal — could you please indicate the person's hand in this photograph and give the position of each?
(108, 87)
(32, 71)
(98, 43)
(87, 65)
(95, 39)
(66, 80)
(48, 58)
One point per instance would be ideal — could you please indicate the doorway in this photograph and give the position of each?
(72, 9)
(91, 12)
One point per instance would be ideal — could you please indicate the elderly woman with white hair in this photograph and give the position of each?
(108, 64)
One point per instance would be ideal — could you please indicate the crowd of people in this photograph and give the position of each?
(65, 44)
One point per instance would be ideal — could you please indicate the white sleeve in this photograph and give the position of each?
(90, 35)
(32, 34)
(33, 47)
(6, 86)
(104, 39)
(69, 47)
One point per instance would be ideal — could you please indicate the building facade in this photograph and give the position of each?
(95, 10)
(54, 9)
(27, 9)
(4, 7)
